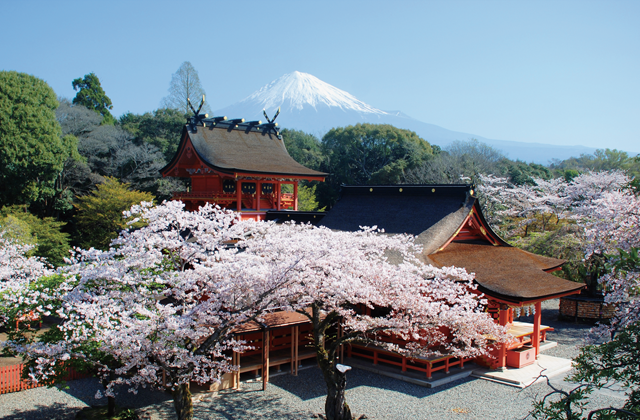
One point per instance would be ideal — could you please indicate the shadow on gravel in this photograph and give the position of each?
(247, 405)
(309, 384)
(54, 411)
(85, 391)
(370, 379)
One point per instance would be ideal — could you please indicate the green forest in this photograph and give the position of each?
(69, 167)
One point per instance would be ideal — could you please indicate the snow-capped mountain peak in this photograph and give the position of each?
(315, 107)
(297, 90)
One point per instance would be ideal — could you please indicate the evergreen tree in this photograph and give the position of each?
(161, 128)
(304, 148)
(45, 233)
(369, 154)
(32, 150)
(91, 95)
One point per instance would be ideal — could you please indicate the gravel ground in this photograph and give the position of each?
(294, 398)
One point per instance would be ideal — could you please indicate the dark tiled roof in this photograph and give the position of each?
(401, 208)
(505, 271)
(245, 149)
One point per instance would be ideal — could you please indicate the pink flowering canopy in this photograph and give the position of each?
(167, 297)
(602, 205)
(17, 273)
(342, 272)
(16, 269)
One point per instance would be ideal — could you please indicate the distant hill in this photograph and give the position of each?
(311, 105)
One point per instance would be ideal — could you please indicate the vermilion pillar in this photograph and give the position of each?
(503, 320)
(537, 318)
(258, 192)
(265, 359)
(278, 195)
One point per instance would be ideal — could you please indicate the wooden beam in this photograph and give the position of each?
(531, 301)
(295, 196)
(272, 175)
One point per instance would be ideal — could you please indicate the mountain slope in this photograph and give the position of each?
(311, 105)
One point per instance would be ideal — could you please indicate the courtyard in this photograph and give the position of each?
(302, 397)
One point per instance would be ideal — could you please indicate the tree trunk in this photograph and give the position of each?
(182, 402)
(111, 401)
(336, 407)
(111, 406)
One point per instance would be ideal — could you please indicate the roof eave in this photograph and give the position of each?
(523, 300)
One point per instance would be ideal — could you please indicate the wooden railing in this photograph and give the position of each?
(11, 379)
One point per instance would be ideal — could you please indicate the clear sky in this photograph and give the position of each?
(558, 72)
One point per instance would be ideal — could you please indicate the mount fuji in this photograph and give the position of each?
(311, 105)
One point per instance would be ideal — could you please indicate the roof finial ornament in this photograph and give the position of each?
(271, 124)
(197, 116)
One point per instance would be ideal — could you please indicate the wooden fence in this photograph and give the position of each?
(11, 379)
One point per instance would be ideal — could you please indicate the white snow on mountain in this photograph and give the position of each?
(298, 90)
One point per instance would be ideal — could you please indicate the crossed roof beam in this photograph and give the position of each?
(204, 120)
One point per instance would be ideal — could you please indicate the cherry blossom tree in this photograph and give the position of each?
(164, 301)
(606, 211)
(17, 272)
(16, 268)
(609, 214)
(520, 209)
(335, 276)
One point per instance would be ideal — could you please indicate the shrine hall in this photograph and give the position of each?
(447, 221)
(245, 166)
(238, 165)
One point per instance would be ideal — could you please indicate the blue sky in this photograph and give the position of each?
(558, 72)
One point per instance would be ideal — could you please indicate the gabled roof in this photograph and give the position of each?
(436, 214)
(235, 147)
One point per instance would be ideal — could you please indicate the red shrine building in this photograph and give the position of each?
(238, 165)
(245, 166)
(447, 221)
